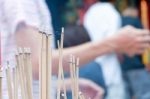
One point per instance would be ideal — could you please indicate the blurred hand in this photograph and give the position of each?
(90, 90)
(132, 41)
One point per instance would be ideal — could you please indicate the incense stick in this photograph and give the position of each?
(61, 55)
(59, 74)
(9, 79)
(71, 74)
(45, 67)
(60, 68)
(77, 78)
(20, 74)
(49, 65)
(15, 83)
(28, 70)
(74, 76)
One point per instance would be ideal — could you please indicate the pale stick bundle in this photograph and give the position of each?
(60, 80)
(45, 62)
(1, 82)
(22, 73)
(20, 76)
(74, 74)
(9, 81)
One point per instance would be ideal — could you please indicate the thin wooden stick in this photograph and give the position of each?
(59, 83)
(0, 82)
(9, 81)
(43, 70)
(45, 67)
(71, 74)
(49, 65)
(61, 57)
(15, 83)
(77, 77)
(24, 70)
(74, 77)
(28, 70)
(20, 74)
(60, 68)
(40, 65)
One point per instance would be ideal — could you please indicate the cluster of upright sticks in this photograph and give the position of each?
(74, 74)
(45, 67)
(20, 75)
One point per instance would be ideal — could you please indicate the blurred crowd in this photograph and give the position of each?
(108, 41)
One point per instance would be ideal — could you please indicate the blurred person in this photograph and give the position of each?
(102, 20)
(133, 65)
(19, 27)
(131, 12)
(130, 16)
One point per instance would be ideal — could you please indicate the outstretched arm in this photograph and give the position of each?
(129, 40)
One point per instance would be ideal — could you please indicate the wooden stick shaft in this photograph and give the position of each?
(74, 77)
(45, 67)
(20, 76)
(59, 82)
(71, 74)
(9, 84)
(23, 73)
(16, 83)
(61, 65)
(77, 77)
(49, 66)
(43, 70)
(40, 67)
(28, 70)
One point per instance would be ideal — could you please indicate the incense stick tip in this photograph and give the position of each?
(62, 29)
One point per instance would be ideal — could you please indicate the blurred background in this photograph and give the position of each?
(66, 12)
(134, 79)
(70, 13)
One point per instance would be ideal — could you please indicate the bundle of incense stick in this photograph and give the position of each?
(9, 81)
(45, 62)
(20, 75)
(60, 69)
(74, 73)
(25, 72)
(0, 82)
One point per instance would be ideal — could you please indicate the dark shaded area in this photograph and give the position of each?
(135, 62)
(56, 8)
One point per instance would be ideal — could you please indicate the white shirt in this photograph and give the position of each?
(101, 21)
(12, 13)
